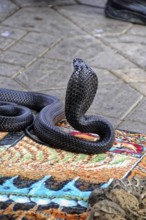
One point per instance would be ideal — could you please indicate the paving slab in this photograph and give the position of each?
(44, 20)
(105, 77)
(137, 30)
(90, 49)
(94, 3)
(29, 48)
(136, 78)
(96, 24)
(6, 9)
(9, 70)
(138, 114)
(136, 121)
(26, 3)
(115, 100)
(5, 43)
(15, 58)
(131, 75)
(135, 52)
(47, 39)
(10, 83)
(133, 126)
(140, 86)
(42, 74)
(11, 32)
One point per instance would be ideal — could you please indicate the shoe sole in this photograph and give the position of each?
(125, 15)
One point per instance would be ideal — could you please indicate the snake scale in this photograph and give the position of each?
(15, 113)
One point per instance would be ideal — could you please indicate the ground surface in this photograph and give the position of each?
(39, 39)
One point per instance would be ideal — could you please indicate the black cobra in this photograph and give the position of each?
(80, 93)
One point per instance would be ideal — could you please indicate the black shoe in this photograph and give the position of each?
(127, 10)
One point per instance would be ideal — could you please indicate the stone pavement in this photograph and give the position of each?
(39, 39)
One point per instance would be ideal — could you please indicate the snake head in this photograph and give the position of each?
(80, 65)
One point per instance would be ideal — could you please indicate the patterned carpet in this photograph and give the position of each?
(41, 182)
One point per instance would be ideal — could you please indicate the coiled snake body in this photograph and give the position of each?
(80, 93)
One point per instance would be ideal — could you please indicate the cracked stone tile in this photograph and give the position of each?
(134, 126)
(12, 33)
(131, 75)
(92, 19)
(43, 20)
(9, 84)
(46, 74)
(28, 48)
(6, 9)
(9, 70)
(15, 58)
(91, 50)
(115, 100)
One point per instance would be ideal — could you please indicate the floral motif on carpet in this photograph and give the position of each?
(41, 182)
